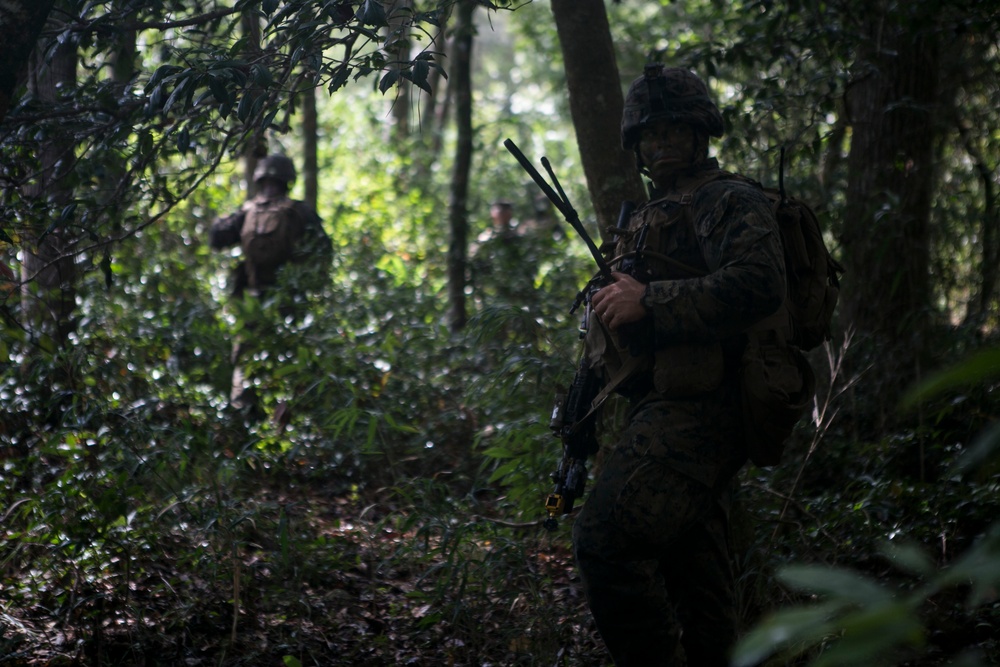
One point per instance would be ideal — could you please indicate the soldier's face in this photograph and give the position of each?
(666, 148)
(502, 214)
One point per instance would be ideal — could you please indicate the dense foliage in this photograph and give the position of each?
(384, 509)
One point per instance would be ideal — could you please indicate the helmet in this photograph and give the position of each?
(278, 167)
(668, 93)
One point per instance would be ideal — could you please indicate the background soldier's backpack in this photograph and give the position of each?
(268, 236)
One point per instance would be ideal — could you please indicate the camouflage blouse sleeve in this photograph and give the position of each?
(315, 242)
(741, 245)
(225, 231)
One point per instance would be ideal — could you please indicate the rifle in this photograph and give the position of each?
(561, 202)
(573, 422)
(573, 418)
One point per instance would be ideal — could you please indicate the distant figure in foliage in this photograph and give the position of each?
(273, 231)
(497, 263)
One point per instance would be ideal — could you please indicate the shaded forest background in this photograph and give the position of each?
(392, 516)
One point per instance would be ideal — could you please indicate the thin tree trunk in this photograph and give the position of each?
(397, 45)
(310, 146)
(256, 148)
(596, 103)
(49, 268)
(458, 222)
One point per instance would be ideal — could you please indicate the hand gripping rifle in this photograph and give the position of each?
(573, 420)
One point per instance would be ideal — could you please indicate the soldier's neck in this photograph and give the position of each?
(271, 190)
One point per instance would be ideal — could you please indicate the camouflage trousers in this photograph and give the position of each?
(652, 547)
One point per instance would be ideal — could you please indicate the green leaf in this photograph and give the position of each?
(979, 566)
(388, 80)
(261, 76)
(870, 633)
(65, 216)
(977, 369)
(982, 449)
(418, 74)
(161, 73)
(835, 583)
(219, 89)
(183, 140)
(245, 106)
(804, 626)
(499, 453)
(908, 558)
(371, 12)
(177, 93)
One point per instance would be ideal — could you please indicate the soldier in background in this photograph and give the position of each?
(272, 231)
(500, 275)
(651, 541)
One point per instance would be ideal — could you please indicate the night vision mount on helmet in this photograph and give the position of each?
(278, 167)
(668, 93)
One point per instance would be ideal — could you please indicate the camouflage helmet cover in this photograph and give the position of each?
(668, 93)
(278, 167)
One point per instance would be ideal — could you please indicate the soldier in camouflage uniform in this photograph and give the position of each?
(651, 541)
(273, 231)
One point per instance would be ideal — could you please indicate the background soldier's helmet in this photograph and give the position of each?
(668, 93)
(278, 167)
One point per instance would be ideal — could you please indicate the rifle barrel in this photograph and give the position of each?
(561, 203)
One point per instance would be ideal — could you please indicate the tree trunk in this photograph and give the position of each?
(886, 240)
(256, 147)
(397, 45)
(310, 146)
(458, 221)
(433, 106)
(596, 103)
(20, 24)
(49, 268)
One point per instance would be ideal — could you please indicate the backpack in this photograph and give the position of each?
(777, 381)
(812, 274)
(268, 236)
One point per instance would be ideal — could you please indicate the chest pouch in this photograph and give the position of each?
(661, 244)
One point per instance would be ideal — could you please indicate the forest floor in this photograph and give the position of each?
(296, 574)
